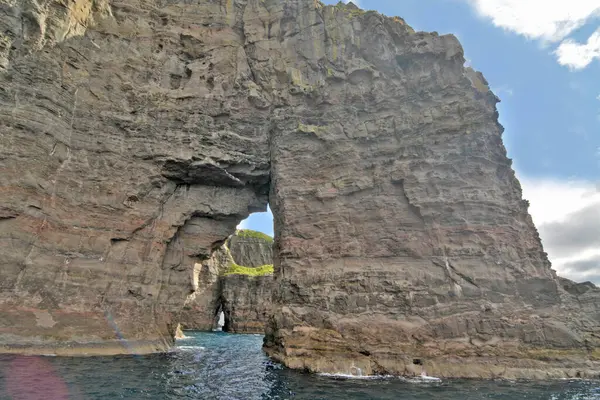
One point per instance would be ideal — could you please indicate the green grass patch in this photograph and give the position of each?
(235, 269)
(248, 233)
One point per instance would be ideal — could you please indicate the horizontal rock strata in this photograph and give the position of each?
(135, 135)
(130, 150)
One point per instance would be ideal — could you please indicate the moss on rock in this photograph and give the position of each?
(248, 233)
(235, 269)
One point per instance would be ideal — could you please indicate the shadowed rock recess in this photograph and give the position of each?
(135, 135)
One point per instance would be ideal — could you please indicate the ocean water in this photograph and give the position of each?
(224, 366)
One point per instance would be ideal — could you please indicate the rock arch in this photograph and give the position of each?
(134, 143)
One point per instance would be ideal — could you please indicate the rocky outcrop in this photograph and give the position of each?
(136, 135)
(244, 299)
(587, 296)
(246, 302)
(27, 26)
(430, 255)
(251, 249)
(202, 308)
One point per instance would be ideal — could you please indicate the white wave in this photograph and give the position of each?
(190, 348)
(348, 376)
(423, 379)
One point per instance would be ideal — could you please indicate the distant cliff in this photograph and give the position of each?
(237, 280)
(251, 248)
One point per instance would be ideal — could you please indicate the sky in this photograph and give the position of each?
(542, 58)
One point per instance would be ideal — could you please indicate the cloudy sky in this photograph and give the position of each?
(542, 58)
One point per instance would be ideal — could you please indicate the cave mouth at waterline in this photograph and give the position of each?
(220, 321)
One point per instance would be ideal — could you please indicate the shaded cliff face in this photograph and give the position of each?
(201, 309)
(246, 302)
(130, 150)
(136, 135)
(251, 249)
(244, 299)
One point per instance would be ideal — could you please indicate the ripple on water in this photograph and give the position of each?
(223, 366)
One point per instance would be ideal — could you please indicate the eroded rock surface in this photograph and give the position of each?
(244, 299)
(130, 150)
(202, 308)
(137, 134)
(251, 251)
(246, 302)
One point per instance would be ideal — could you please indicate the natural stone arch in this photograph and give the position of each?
(401, 233)
(135, 179)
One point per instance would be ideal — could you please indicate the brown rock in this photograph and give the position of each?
(127, 158)
(136, 135)
(202, 308)
(245, 300)
(250, 251)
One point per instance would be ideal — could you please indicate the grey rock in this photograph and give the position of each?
(136, 135)
(250, 251)
(244, 300)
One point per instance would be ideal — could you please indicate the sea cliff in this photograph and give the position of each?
(136, 135)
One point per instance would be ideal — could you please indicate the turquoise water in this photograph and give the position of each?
(224, 366)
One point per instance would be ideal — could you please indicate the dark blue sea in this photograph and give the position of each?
(224, 366)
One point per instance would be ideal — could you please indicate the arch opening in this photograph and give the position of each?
(233, 290)
(259, 222)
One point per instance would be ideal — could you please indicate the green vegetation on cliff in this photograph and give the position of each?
(235, 269)
(248, 233)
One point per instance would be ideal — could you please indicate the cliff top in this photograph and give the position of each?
(251, 253)
(248, 233)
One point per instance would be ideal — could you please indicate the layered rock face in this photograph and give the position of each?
(251, 249)
(244, 299)
(202, 308)
(130, 150)
(401, 233)
(136, 134)
(246, 302)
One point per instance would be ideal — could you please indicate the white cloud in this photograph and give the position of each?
(552, 200)
(539, 19)
(583, 267)
(576, 55)
(550, 21)
(566, 214)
